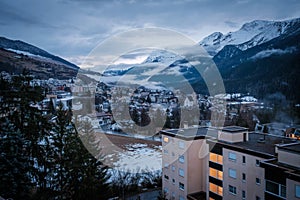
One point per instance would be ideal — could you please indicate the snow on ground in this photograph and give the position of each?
(139, 156)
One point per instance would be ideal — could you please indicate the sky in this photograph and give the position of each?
(72, 28)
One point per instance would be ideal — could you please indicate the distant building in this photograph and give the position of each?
(225, 163)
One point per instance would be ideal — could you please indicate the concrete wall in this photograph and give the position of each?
(250, 169)
(288, 158)
(291, 189)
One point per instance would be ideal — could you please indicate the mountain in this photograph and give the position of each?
(249, 35)
(262, 58)
(16, 55)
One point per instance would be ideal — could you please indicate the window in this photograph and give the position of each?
(257, 181)
(173, 181)
(181, 186)
(216, 158)
(181, 144)
(275, 188)
(173, 195)
(232, 156)
(173, 168)
(216, 189)
(166, 177)
(216, 173)
(173, 154)
(166, 151)
(257, 162)
(244, 177)
(244, 159)
(257, 198)
(297, 192)
(166, 190)
(166, 139)
(181, 172)
(244, 194)
(232, 189)
(181, 159)
(232, 173)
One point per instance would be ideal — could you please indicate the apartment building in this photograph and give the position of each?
(220, 163)
(282, 174)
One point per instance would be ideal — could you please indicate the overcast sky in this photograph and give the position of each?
(72, 28)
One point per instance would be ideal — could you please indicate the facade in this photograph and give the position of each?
(286, 183)
(226, 163)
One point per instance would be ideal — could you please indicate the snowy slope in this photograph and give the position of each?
(249, 35)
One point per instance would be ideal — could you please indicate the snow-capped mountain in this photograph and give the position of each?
(249, 35)
(24, 48)
(17, 55)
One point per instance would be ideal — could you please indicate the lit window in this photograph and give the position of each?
(232, 173)
(181, 159)
(232, 156)
(181, 172)
(216, 189)
(297, 188)
(216, 158)
(166, 139)
(216, 173)
(181, 186)
(232, 189)
(181, 144)
(257, 181)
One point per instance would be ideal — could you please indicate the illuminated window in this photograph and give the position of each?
(216, 173)
(166, 139)
(216, 189)
(216, 158)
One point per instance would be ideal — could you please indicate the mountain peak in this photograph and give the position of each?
(249, 35)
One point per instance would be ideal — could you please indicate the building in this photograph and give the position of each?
(222, 163)
(286, 183)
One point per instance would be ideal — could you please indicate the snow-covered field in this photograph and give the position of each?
(139, 156)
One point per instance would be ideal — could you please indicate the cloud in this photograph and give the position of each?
(71, 28)
(269, 52)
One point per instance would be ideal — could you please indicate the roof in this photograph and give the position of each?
(258, 144)
(294, 147)
(190, 133)
(234, 129)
